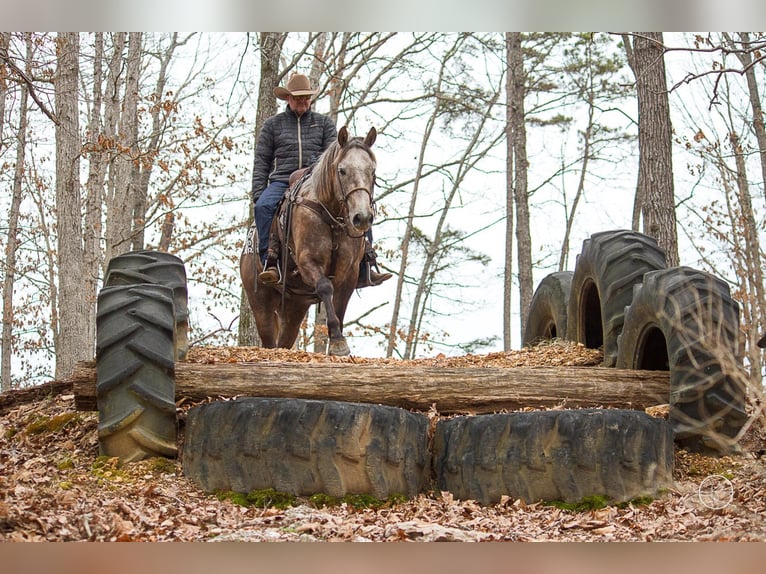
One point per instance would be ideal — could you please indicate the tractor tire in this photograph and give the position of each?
(608, 266)
(685, 321)
(306, 447)
(161, 268)
(135, 372)
(547, 318)
(554, 455)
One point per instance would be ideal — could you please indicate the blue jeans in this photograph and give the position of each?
(265, 208)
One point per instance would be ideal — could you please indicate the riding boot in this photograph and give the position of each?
(369, 272)
(270, 274)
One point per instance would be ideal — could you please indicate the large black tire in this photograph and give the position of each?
(685, 321)
(161, 268)
(608, 266)
(135, 372)
(554, 455)
(547, 318)
(306, 447)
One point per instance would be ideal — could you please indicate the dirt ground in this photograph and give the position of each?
(55, 487)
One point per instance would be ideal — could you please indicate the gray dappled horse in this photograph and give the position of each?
(322, 243)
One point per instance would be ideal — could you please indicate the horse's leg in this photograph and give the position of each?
(247, 276)
(266, 315)
(261, 303)
(338, 345)
(290, 323)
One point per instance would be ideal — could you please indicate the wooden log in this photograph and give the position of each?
(451, 390)
(15, 397)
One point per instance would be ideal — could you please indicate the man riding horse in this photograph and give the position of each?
(289, 141)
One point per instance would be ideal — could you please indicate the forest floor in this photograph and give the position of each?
(54, 486)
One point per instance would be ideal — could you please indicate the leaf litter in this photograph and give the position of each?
(54, 486)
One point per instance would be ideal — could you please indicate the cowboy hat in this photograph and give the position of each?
(297, 85)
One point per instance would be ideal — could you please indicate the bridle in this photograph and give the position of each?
(336, 222)
(346, 194)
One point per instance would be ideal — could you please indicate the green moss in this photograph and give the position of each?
(270, 498)
(66, 485)
(357, 501)
(108, 468)
(51, 424)
(161, 464)
(11, 432)
(593, 502)
(267, 498)
(65, 463)
(637, 501)
(596, 502)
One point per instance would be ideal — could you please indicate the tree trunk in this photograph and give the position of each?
(521, 199)
(124, 172)
(393, 333)
(149, 150)
(746, 59)
(271, 49)
(655, 169)
(320, 334)
(451, 390)
(13, 228)
(94, 202)
(5, 40)
(114, 81)
(509, 211)
(590, 100)
(753, 269)
(71, 340)
(758, 326)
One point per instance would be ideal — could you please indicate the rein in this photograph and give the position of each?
(335, 222)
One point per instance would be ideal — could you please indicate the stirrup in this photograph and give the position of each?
(370, 278)
(271, 275)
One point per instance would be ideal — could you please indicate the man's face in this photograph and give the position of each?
(299, 104)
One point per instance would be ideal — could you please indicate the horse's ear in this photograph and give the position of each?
(342, 136)
(370, 138)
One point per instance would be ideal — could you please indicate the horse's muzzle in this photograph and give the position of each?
(362, 221)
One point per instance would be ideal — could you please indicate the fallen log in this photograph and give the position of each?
(15, 397)
(449, 389)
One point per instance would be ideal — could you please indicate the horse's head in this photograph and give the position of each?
(355, 169)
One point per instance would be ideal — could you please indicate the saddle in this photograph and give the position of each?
(276, 258)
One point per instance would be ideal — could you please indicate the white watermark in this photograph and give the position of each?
(716, 492)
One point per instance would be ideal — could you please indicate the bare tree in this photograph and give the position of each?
(745, 57)
(591, 70)
(123, 172)
(509, 211)
(97, 158)
(517, 133)
(419, 175)
(71, 340)
(270, 44)
(727, 214)
(749, 257)
(655, 190)
(5, 38)
(13, 224)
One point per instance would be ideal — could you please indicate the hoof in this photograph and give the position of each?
(339, 348)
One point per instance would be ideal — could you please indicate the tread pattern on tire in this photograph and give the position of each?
(685, 321)
(608, 266)
(306, 447)
(547, 317)
(135, 372)
(160, 268)
(554, 455)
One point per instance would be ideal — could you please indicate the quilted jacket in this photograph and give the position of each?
(288, 142)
